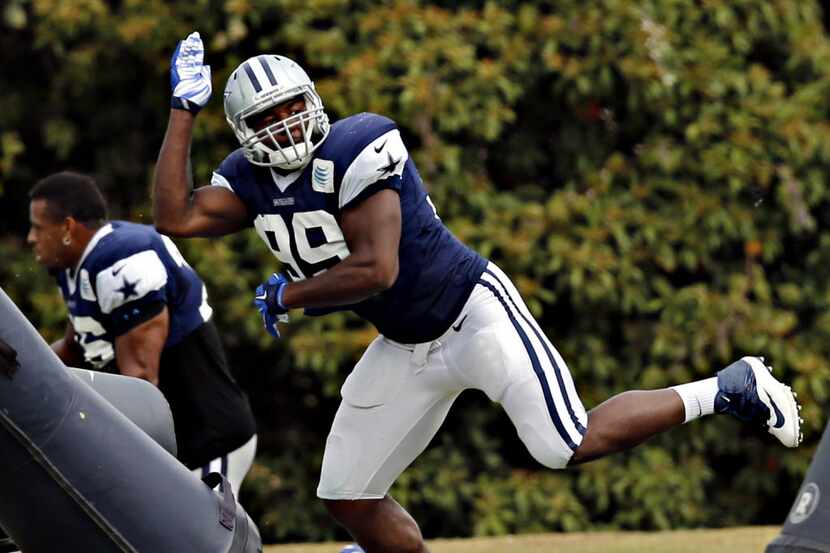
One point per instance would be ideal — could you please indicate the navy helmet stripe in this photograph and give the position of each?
(263, 61)
(556, 368)
(537, 368)
(254, 81)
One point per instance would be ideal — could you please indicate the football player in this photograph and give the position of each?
(137, 308)
(343, 209)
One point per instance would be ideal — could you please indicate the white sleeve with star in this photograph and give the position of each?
(382, 158)
(129, 279)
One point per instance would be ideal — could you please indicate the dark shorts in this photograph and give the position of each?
(210, 411)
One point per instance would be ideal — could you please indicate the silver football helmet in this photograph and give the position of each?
(261, 83)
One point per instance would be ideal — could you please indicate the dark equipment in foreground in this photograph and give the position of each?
(807, 528)
(77, 475)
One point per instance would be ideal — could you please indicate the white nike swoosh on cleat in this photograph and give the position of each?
(770, 391)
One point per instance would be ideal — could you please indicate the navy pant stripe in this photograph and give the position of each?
(224, 470)
(556, 368)
(267, 68)
(254, 81)
(537, 368)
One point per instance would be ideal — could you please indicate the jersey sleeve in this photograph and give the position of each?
(229, 175)
(221, 180)
(132, 290)
(377, 167)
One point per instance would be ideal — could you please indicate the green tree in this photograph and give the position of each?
(652, 175)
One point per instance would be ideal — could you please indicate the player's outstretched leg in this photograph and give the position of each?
(745, 389)
(378, 525)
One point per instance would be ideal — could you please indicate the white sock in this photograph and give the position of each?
(698, 397)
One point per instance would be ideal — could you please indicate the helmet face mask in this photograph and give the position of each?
(258, 85)
(266, 138)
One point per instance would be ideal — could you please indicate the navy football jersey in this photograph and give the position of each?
(297, 215)
(126, 274)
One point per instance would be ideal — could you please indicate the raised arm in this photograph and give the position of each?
(178, 210)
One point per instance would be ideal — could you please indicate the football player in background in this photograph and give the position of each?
(137, 308)
(344, 210)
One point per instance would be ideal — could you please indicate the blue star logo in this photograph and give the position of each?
(390, 166)
(127, 288)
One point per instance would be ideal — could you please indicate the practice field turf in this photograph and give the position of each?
(734, 540)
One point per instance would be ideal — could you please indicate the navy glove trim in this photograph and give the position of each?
(184, 104)
(274, 300)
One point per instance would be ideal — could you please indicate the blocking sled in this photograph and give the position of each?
(807, 527)
(76, 474)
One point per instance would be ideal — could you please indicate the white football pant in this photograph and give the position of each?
(398, 395)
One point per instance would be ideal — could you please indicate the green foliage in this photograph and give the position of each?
(652, 174)
(280, 499)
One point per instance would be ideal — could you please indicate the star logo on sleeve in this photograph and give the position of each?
(127, 288)
(390, 166)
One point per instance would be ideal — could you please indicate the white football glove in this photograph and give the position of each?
(189, 77)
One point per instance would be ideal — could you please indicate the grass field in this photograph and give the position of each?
(734, 540)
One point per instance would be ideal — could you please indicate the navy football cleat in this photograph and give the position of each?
(748, 391)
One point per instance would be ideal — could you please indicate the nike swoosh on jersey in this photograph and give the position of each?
(457, 327)
(379, 148)
(118, 270)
